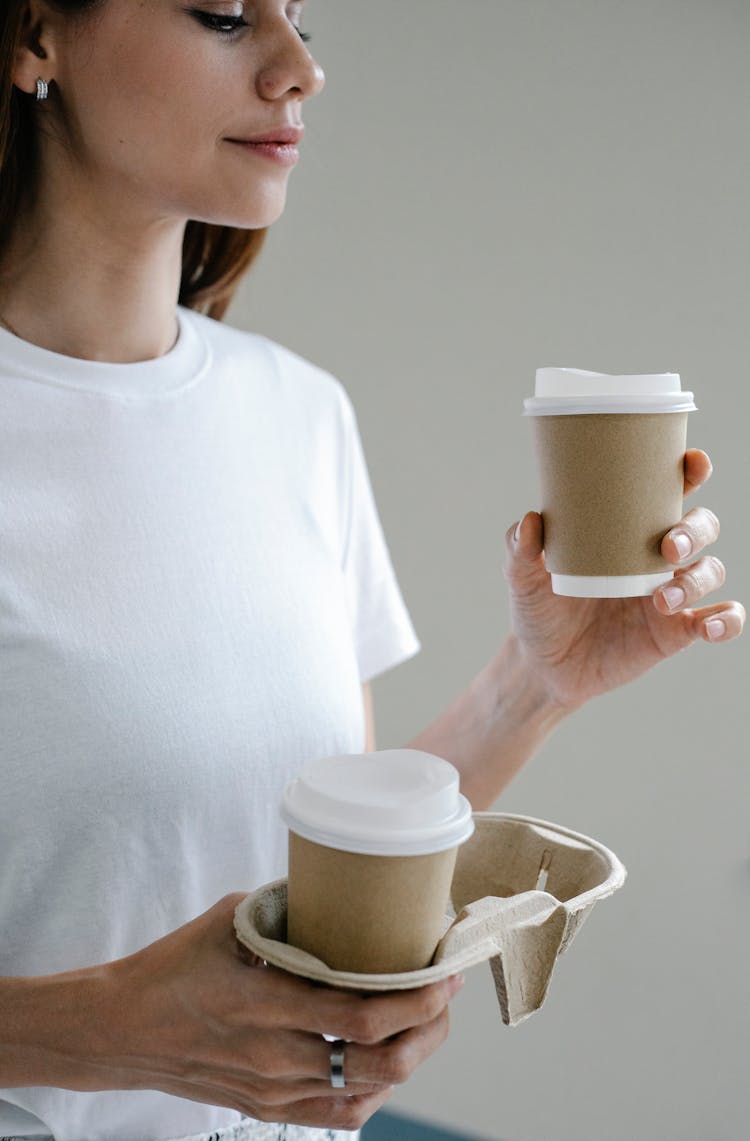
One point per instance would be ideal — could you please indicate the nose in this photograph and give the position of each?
(288, 67)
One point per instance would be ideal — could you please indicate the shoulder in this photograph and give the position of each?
(288, 377)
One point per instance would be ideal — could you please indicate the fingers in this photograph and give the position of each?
(525, 538)
(698, 468)
(393, 1062)
(341, 1112)
(354, 1017)
(719, 623)
(302, 1063)
(690, 585)
(384, 1016)
(525, 570)
(696, 530)
(370, 1073)
(285, 1067)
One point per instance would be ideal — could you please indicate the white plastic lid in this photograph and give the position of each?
(574, 391)
(397, 802)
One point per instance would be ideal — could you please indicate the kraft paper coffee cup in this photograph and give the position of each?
(610, 453)
(372, 847)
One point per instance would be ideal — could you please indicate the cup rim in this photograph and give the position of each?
(428, 841)
(640, 404)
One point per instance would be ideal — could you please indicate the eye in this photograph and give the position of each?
(224, 25)
(229, 25)
(294, 15)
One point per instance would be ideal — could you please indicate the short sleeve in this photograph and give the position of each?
(383, 632)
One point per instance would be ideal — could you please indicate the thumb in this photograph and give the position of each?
(524, 566)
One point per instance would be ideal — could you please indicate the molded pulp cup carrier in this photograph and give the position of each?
(500, 913)
(610, 453)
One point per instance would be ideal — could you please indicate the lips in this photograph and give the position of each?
(282, 136)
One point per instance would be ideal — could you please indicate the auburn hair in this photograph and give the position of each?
(214, 258)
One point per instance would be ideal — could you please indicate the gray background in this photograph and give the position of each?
(486, 187)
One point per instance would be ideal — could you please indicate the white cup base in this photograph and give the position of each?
(608, 586)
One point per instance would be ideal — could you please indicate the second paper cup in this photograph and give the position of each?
(610, 456)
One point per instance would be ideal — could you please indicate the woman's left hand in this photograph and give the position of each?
(576, 648)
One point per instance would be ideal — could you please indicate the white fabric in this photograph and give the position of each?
(249, 1130)
(257, 1131)
(193, 586)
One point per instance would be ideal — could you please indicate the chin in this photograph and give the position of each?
(238, 222)
(257, 216)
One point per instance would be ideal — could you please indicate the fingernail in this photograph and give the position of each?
(517, 532)
(456, 982)
(682, 543)
(716, 628)
(674, 596)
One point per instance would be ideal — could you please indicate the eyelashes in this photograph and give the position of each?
(224, 25)
(228, 26)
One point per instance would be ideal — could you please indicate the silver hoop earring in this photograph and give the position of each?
(42, 89)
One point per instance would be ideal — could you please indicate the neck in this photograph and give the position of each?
(92, 287)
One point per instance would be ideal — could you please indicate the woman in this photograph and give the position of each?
(195, 592)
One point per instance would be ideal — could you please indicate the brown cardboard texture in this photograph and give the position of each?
(611, 487)
(357, 926)
(521, 889)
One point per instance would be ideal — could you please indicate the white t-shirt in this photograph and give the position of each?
(193, 586)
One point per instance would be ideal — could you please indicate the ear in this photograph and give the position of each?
(35, 56)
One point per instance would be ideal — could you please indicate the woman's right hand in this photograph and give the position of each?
(197, 1015)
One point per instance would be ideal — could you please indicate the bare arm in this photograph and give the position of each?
(493, 727)
(197, 1016)
(490, 730)
(48, 1029)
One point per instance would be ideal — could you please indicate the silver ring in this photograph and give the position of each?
(337, 1064)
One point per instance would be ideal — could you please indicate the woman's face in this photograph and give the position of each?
(155, 90)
